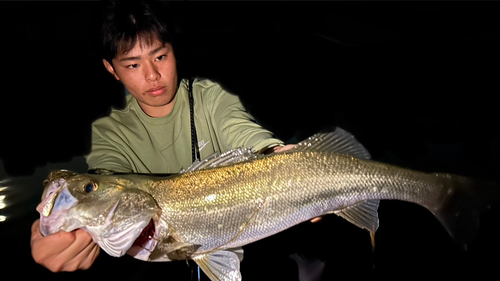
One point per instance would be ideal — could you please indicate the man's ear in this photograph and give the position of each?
(110, 69)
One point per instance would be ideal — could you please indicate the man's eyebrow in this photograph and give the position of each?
(130, 58)
(138, 58)
(156, 50)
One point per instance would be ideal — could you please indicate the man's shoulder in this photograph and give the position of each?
(209, 90)
(117, 116)
(204, 84)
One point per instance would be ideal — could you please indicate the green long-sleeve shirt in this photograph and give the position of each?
(128, 140)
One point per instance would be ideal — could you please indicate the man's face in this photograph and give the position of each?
(150, 75)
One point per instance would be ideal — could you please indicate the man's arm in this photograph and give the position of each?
(235, 126)
(105, 155)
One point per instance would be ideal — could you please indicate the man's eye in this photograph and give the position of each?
(162, 57)
(135, 65)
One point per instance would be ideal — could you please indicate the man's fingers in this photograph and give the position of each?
(85, 258)
(90, 258)
(45, 247)
(63, 251)
(73, 255)
(47, 250)
(316, 219)
(283, 148)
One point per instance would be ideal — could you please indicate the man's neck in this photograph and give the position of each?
(157, 111)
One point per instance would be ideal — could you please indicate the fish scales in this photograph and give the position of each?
(238, 204)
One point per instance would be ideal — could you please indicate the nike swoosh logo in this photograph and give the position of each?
(202, 144)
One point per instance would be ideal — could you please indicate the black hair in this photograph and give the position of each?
(124, 22)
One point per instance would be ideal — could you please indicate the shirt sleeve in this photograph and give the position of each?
(105, 153)
(237, 128)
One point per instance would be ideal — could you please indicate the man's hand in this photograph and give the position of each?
(63, 251)
(277, 149)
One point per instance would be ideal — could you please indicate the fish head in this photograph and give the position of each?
(113, 211)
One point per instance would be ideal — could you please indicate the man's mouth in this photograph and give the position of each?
(156, 91)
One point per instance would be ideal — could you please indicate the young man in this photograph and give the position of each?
(152, 134)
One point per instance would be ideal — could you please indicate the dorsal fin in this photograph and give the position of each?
(216, 159)
(337, 140)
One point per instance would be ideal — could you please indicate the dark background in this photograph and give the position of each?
(416, 83)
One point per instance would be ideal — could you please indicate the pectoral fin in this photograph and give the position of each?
(221, 265)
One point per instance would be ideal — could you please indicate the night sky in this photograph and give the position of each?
(416, 83)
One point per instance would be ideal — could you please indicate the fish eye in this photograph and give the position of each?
(90, 187)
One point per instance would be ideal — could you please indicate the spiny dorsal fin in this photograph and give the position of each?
(216, 160)
(338, 141)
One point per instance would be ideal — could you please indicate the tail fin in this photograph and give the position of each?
(461, 204)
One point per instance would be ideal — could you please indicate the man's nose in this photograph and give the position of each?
(152, 73)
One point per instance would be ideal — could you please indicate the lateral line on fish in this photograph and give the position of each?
(242, 228)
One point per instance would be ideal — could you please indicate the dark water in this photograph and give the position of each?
(417, 85)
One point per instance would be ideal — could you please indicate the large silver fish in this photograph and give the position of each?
(208, 212)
